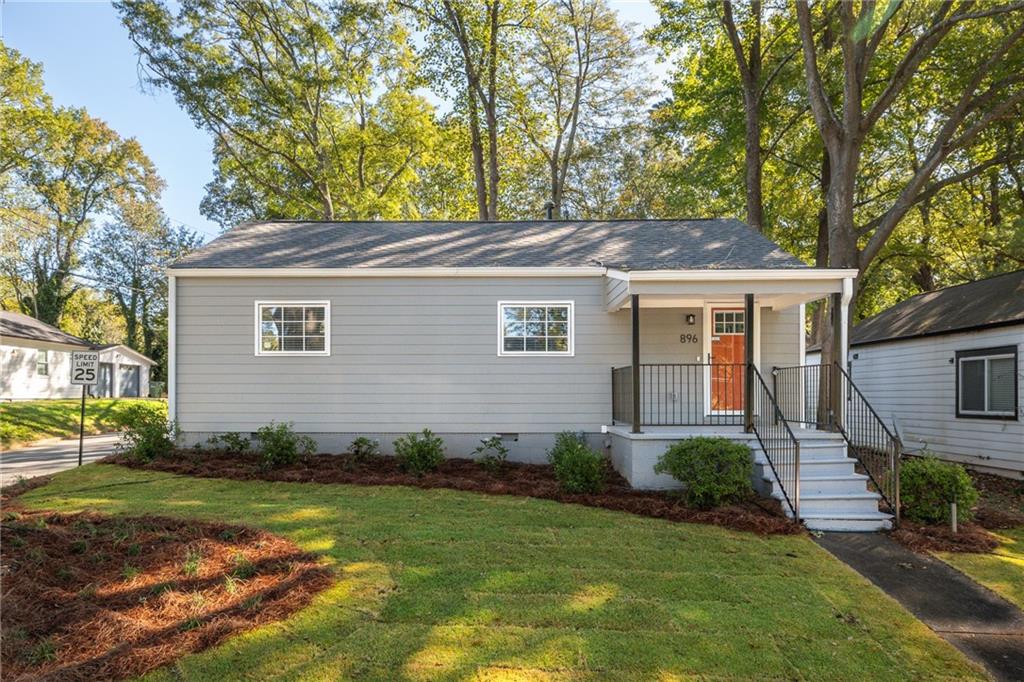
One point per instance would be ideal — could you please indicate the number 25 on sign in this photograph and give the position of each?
(85, 372)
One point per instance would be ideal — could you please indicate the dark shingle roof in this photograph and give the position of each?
(21, 326)
(624, 244)
(989, 302)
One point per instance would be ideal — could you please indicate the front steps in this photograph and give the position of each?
(833, 497)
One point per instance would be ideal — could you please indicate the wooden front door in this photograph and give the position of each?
(728, 357)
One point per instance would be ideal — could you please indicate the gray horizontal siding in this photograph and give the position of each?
(410, 353)
(405, 354)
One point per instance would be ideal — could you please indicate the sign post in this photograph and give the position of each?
(85, 372)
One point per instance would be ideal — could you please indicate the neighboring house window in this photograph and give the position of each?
(535, 328)
(42, 363)
(286, 328)
(986, 383)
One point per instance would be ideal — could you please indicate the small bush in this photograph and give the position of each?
(363, 448)
(146, 434)
(232, 443)
(492, 453)
(928, 485)
(578, 468)
(714, 471)
(419, 453)
(279, 445)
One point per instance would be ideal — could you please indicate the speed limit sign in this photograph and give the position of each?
(85, 368)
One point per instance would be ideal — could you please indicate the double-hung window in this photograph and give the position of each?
(986, 383)
(535, 328)
(293, 328)
(42, 363)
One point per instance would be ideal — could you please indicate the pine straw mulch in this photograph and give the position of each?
(757, 515)
(88, 596)
(1000, 505)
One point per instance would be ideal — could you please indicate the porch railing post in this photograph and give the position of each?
(635, 301)
(748, 362)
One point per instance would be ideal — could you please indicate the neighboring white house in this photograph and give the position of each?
(944, 368)
(35, 362)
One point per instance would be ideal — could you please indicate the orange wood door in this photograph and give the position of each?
(728, 355)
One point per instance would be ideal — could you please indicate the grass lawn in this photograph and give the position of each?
(440, 584)
(1002, 571)
(31, 420)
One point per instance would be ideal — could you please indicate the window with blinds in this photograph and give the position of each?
(986, 383)
(286, 328)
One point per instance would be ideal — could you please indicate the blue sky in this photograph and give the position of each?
(89, 62)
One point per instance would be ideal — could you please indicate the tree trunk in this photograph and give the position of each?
(752, 175)
(476, 144)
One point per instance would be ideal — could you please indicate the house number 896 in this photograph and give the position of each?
(687, 338)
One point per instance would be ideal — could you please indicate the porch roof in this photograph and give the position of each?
(773, 288)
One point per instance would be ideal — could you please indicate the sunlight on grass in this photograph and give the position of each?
(1002, 571)
(440, 584)
(592, 597)
(25, 421)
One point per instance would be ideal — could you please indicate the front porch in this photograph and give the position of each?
(739, 372)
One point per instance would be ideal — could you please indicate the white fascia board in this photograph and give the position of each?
(126, 350)
(733, 275)
(591, 271)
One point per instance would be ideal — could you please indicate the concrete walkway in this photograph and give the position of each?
(972, 618)
(52, 456)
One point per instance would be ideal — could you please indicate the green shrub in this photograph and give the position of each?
(232, 443)
(280, 445)
(578, 468)
(492, 453)
(146, 434)
(714, 471)
(419, 453)
(928, 485)
(363, 448)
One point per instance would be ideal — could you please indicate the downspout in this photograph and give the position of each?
(172, 346)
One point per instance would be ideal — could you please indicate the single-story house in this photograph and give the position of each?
(634, 332)
(943, 368)
(35, 358)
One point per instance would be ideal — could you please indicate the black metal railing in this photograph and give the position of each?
(781, 448)
(680, 394)
(825, 397)
(803, 394)
(870, 442)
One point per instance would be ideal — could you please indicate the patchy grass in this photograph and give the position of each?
(23, 422)
(1001, 571)
(446, 584)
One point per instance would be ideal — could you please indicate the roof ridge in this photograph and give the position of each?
(953, 286)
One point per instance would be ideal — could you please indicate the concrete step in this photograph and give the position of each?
(811, 485)
(842, 502)
(833, 466)
(855, 522)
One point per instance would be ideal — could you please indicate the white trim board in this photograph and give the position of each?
(260, 353)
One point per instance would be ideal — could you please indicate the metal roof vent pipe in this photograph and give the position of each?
(549, 210)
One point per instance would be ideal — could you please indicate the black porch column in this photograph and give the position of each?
(635, 302)
(835, 403)
(749, 320)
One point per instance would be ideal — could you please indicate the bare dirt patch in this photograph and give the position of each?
(88, 596)
(756, 515)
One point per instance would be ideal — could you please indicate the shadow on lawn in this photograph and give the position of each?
(443, 584)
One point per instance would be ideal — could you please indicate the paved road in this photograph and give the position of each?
(980, 623)
(51, 457)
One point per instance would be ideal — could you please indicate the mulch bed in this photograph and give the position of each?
(1000, 505)
(88, 596)
(757, 515)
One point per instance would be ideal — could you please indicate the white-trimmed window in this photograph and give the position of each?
(535, 328)
(42, 363)
(293, 328)
(986, 383)
(729, 321)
